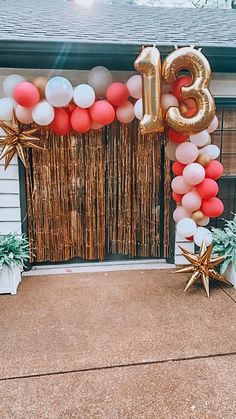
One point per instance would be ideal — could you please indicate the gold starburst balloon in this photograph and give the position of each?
(202, 267)
(16, 140)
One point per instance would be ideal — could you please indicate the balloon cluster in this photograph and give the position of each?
(195, 168)
(56, 103)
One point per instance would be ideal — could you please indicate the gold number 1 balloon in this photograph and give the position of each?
(148, 64)
(188, 58)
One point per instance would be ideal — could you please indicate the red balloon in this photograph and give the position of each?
(178, 168)
(212, 207)
(214, 169)
(176, 137)
(26, 94)
(188, 108)
(207, 188)
(80, 120)
(117, 93)
(70, 108)
(177, 197)
(178, 84)
(61, 122)
(102, 112)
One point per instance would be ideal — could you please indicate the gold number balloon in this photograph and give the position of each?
(148, 64)
(188, 58)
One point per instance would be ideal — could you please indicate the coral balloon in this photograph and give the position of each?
(188, 108)
(24, 115)
(179, 185)
(191, 201)
(214, 170)
(178, 84)
(168, 100)
(134, 85)
(178, 168)
(186, 153)
(180, 213)
(202, 234)
(177, 197)
(125, 113)
(117, 94)
(186, 227)
(26, 94)
(61, 122)
(81, 120)
(213, 126)
(212, 207)
(102, 112)
(194, 173)
(176, 137)
(207, 188)
(70, 108)
(201, 139)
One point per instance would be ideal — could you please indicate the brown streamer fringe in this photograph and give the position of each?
(95, 195)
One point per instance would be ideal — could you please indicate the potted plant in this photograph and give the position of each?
(14, 251)
(224, 244)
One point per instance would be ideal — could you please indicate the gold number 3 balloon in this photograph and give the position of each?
(190, 59)
(148, 64)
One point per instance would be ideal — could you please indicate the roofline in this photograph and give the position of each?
(84, 55)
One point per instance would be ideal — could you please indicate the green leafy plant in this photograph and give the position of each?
(14, 250)
(224, 243)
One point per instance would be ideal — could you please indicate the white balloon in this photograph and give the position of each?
(24, 115)
(201, 139)
(212, 150)
(138, 109)
(2, 132)
(6, 109)
(204, 222)
(201, 234)
(213, 125)
(84, 96)
(10, 83)
(43, 113)
(59, 91)
(100, 78)
(186, 227)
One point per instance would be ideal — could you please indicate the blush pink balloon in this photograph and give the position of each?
(125, 113)
(168, 100)
(134, 85)
(24, 115)
(191, 201)
(194, 173)
(181, 212)
(213, 125)
(179, 185)
(204, 222)
(186, 153)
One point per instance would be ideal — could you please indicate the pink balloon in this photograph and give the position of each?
(168, 100)
(134, 85)
(213, 125)
(204, 222)
(186, 153)
(125, 113)
(194, 173)
(24, 115)
(181, 212)
(191, 201)
(179, 185)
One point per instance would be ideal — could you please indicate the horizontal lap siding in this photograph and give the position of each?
(10, 217)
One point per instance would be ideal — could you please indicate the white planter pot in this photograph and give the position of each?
(9, 280)
(230, 275)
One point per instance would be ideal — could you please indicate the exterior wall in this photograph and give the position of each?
(222, 85)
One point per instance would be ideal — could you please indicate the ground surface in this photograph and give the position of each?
(117, 345)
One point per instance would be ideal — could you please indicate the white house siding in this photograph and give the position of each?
(222, 85)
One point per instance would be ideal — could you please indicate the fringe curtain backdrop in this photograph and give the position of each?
(100, 194)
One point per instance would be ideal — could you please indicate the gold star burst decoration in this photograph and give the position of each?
(202, 267)
(16, 139)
